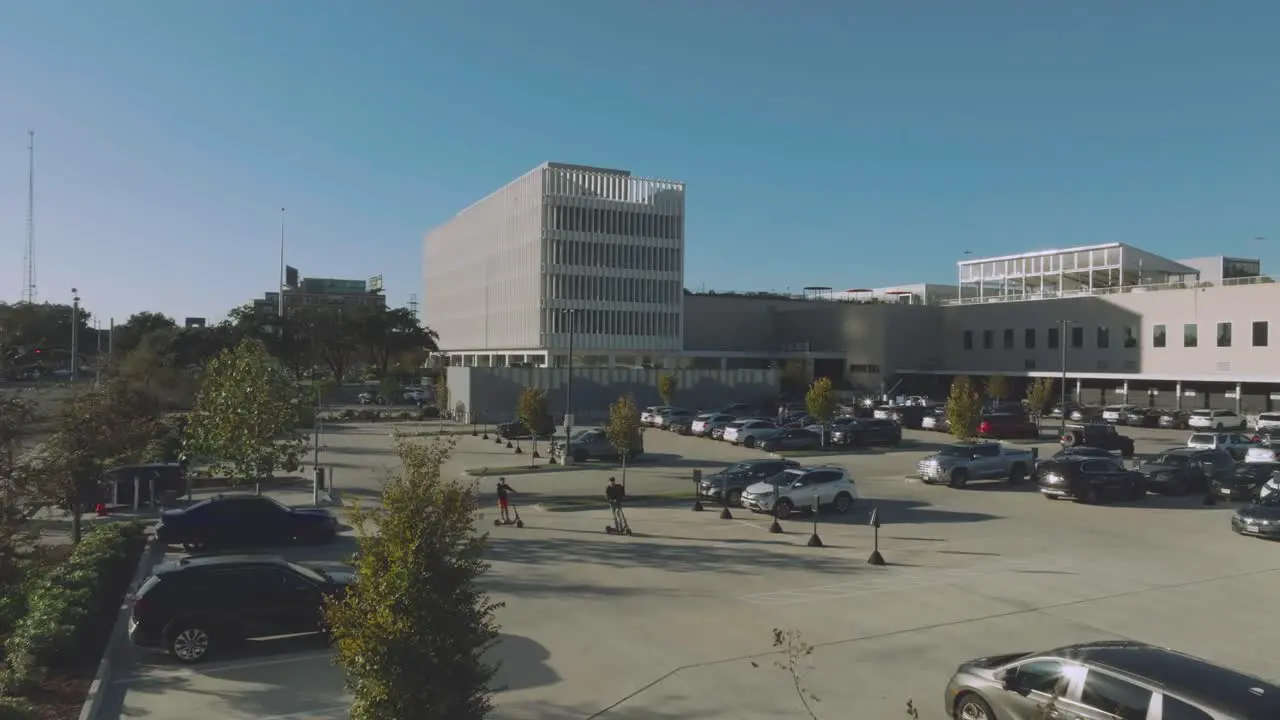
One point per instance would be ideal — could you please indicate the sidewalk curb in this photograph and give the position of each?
(92, 706)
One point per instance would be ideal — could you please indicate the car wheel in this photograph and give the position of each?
(843, 503)
(735, 497)
(750, 442)
(971, 706)
(783, 509)
(959, 478)
(767, 447)
(579, 456)
(190, 643)
(1017, 473)
(1088, 495)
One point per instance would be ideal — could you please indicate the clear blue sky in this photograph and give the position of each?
(839, 143)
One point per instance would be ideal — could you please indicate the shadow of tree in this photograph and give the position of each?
(891, 512)
(542, 710)
(522, 664)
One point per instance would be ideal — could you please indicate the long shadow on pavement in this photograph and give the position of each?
(553, 711)
(895, 512)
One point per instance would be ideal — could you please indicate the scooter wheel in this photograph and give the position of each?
(497, 523)
(520, 524)
(628, 532)
(609, 529)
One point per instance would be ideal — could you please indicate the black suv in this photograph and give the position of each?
(735, 478)
(1089, 480)
(1183, 470)
(862, 432)
(198, 605)
(242, 520)
(1100, 435)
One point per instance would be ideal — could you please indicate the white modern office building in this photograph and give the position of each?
(565, 254)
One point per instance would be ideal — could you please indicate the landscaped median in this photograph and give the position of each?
(63, 622)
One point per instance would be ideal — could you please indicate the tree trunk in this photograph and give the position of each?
(624, 469)
(76, 524)
(532, 455)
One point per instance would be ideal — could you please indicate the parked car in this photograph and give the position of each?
(958, 464)
(1075, 451)
(680, 426)
(749, 433)
(1245, 480)
(911, 416)
(1111, 679)
(1005, 426)
(1089, 480)
(1183, 470)
(1142, 417)
(703, 424)
(1068, 408)
(1099, 435)
(194, 607)
(1173, 419)
(1267, 421)
(736, 410)
(649, 416)
(415, 395)
(936, 421)
(593, 444)
(517, 430)
(799, 488)
(673, 416)
(370, 397)
(1085, 413)
(1260, 519)
(243, 520)
(717, 433)
(1235, 443)
(862, 432)
(1264, 452)
(792, 439)
(1216, 420)
(737, 477)
(1118, 414)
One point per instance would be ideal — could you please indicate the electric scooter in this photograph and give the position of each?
(498, 521)
(625, 528)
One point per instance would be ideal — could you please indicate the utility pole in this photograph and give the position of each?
(571, 315)
(1062, 345)
(29, 253)
(75, 334)
(97, 358)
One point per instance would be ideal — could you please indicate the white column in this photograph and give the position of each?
(1125, 390)
(1239, 398)
(1177, 391)
(1079, 386)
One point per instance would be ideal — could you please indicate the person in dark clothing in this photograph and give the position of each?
(504, 504)
(615, 494)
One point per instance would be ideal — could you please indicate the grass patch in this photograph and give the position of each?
(573, 503)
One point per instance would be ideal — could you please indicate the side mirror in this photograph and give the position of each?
(798, 484)
(1009, 680)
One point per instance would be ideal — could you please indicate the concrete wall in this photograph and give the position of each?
(494, 392)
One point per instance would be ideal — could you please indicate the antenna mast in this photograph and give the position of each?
(29, 253)
(413, 305)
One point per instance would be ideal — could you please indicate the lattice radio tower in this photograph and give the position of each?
(413, 305)
(29, 253)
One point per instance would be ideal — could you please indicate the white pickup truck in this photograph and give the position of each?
(955, 465)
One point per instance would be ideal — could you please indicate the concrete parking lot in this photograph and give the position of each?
(676, 621)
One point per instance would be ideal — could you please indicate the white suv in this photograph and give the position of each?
(1216, 420)
(797, 489)
(1267, 421)
(749, 433)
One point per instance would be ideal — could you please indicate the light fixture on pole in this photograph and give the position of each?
(75, 334)
(1062, 345)
(570, 315)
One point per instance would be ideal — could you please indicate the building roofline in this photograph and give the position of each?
(1041, 253)
(1139, 377)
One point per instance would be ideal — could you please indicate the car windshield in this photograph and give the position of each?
(314, 576)
(579, 435)
(735, 425)
(1171, 459)
(1202, 439)
(956, 451)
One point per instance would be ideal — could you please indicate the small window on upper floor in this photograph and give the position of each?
(1260, 331)
(1190, 335)
(1029, 338)
(1008, 339)
(1130, 336)
(1159, 336)
(968, 339)
(1224, 334)
(1077, 337)
(1051, 338)
(988, 339)
(1104, 337)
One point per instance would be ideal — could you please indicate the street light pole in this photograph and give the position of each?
(75, 334)
(1062, 403)
(568, 391)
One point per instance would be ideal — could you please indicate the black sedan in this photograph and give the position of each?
(1245, 480)
(1183, 470)
(239, 520)
(1141, 417)
(792, 439)
(1089, 480)
(873, 431)
(735, 478)
(1261, 519)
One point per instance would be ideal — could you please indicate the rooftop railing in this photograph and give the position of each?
(1099, 291)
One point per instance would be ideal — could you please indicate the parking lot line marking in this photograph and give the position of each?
(222, 668)
(325, 713)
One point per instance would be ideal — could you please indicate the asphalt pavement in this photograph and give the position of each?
(676, 621)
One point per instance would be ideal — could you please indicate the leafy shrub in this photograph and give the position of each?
(306, 417)
(17, 709)
(63, 604)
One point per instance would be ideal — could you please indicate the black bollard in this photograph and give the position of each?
(697, 482)
(814, 540)
(775, 527)
(724, 504)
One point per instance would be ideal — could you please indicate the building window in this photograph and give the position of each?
(1224, 334)
(1159, 336)
(1029, 338)
(988, 339)
(1104, 337)
(968, 339)
(1130, 336)
(1190, 336)
(1008, 339)
(1077, 337)
(1260, 333)
(1051, 339)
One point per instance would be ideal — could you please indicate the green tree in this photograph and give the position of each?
(129, 334)
(246, 416)
(667, 385)
(964, 408)
(412, 631)
(997, 388)
(623, 430)
(93, 430)
(821, 402)
(442, 392)
(1040, 397)
(531, 409)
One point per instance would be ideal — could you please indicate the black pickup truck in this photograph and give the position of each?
(1099, 435)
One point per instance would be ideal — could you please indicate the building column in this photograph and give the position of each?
(1079, 389)
(1177, 392)
(1239, 398)
(724, 364)
(1125, 389)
